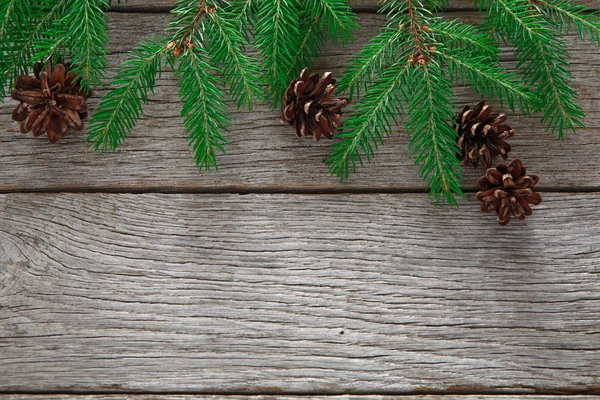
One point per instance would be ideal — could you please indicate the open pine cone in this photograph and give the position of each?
(309, 107)
(481, 135)
(51, 103)
(508, 190)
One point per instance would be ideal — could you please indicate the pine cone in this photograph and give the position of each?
(310, 108)
(481, 135)
(51, 103)
(508, 191)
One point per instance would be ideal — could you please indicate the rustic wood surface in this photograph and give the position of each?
(265, 156)
(285, 397)
(296, 293)
(287, 290)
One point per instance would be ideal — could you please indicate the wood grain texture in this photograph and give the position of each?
(155, 6)
(264, 155)
(286, 397)
(309, 294)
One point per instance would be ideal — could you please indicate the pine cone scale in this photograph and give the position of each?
(71, 102)
(25, 82)
(50, 103)
(507, 190)
(481, 135)
(310, 108)
(57, 77)
(73, 120)
(28, 96)
(20, 113)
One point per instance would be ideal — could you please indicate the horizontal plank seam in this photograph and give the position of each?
(264, 190)
(433, 392)
(356, 9)
(167, 9)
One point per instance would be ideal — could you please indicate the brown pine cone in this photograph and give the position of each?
(481, 135)
(309, 107)
(508, 190)
(51, 103)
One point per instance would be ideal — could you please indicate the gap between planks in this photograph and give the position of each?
(192, 396)
(274, 190)
(164, 6)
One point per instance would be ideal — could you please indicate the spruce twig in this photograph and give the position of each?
(543, 57)
(120, 108)
(429, 52)
(206, 45)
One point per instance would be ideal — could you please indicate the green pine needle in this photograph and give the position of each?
(543, 57)
(373, 58)
(14, 16)
(238, 70)
(489, 80)
(311, 41)
(276, 38)
(335, 14)
(86, 37)
(243, 16)
(459, 35)
(370, 122)
(565, 14)
(204, 112)
(433, 141)
(27, 31)
(121, 107)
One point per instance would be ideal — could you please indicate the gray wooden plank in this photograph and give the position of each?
(309, 294)
(264, 155)
(359, 5)
(286, 397)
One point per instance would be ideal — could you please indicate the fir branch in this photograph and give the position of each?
(14, 16)
(370, 121)
(276, 38)
(244, 15)
(237, 69)
(80, 34)
(188, 14)
(488, 80)
(205, 114)
(566, 13)
(336, 14)
(121, 107)
(433, 141)
(24, 51)
(374, 57)
(543, 57)
(310, 44)
(458, 35)
(86, 38)
(21, 25)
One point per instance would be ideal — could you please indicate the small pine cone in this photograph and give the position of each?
(508, 190)
(481, 135)
(51, 103)
(309, 106)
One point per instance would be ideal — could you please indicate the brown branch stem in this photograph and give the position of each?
(414, 25)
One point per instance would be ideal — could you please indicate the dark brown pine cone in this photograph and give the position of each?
(508, 190)
(309, 106)
(51, 103)
(482, 135)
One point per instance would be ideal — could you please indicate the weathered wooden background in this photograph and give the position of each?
(133, 273)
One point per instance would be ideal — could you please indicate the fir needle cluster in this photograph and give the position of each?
(249, 50)
(407, 72)
(46, 30)
(243, 50)
(220, 50)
